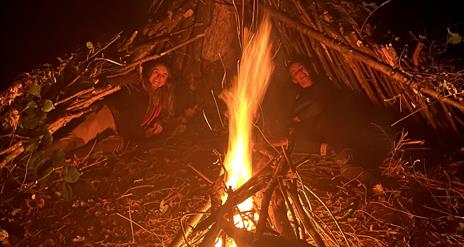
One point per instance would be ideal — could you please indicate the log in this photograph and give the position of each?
(223, 23)
(182, 235)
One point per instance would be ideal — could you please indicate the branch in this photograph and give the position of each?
(14, 151)
(131, 66)
(97, 95)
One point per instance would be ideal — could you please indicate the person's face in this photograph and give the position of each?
(300, 75)
(158, 76)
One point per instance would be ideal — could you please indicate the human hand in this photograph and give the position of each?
(156, 129)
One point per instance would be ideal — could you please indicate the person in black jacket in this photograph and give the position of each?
(328, 120)
(139, 110)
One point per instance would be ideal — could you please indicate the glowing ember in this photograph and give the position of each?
(242, 101)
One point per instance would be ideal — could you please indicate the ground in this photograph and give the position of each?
(138, 197)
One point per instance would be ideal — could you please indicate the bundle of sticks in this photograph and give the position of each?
(284, 218)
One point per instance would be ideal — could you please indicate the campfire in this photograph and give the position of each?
(201, 182)
(243, 101)
(240, 220)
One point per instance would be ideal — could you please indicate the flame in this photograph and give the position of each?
(242, 101)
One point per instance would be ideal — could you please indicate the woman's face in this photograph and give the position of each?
(158, 76)
(300, 75)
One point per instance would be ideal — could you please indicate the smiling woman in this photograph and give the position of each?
(37, 32)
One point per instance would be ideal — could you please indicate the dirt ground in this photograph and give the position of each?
(138, 197)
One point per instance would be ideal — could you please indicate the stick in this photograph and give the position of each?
(264, 212)
(131, 224)
(200, 174)
(182, 236)
(53, 127)
(14, 152)
(97, 95)
(11, 148)
(141, 227)
(284, 194)
(78, 94)
(246, 190)
(304, 218)
(131, 66)
(253, 185)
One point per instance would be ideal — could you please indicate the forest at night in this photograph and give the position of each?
(232, 123)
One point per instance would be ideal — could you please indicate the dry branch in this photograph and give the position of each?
(13, 152)
(97, 94)
(131, 66)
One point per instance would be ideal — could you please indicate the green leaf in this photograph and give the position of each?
(66, 189)
(28, 116)
(47, 105)
(58, 157)
(47, 139)
(35, 90)
(32, 105)
(41, 117)
(46, 177)
(454, 38)
(32, 145)
(71, 174)
(29, 121)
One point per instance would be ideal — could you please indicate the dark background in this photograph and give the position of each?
(36, 32)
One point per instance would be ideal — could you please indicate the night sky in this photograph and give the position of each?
(36, 32)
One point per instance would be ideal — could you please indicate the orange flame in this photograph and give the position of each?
(242, 101)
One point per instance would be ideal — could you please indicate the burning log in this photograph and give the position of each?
(242, 101)
(266, 180)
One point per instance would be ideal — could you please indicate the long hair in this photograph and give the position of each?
(161, 100)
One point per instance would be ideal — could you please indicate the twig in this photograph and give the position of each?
(138, 187)
(141, 227)
(327, 209)
(131, 66)
(303, 216)
(206, 120)
(11, 148)
(417, 51)
(14, 152)
(217, 108)
(116, 37)
(288, 204)
(411, 113)
(444, 212)
(182, 236)
(91, 150)
(200, 174)
(371, 13)
(97, 95)
(76, 95)
(27, 166)
(252, 186)
(131, 224)
(264, 211)
(57, 124)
